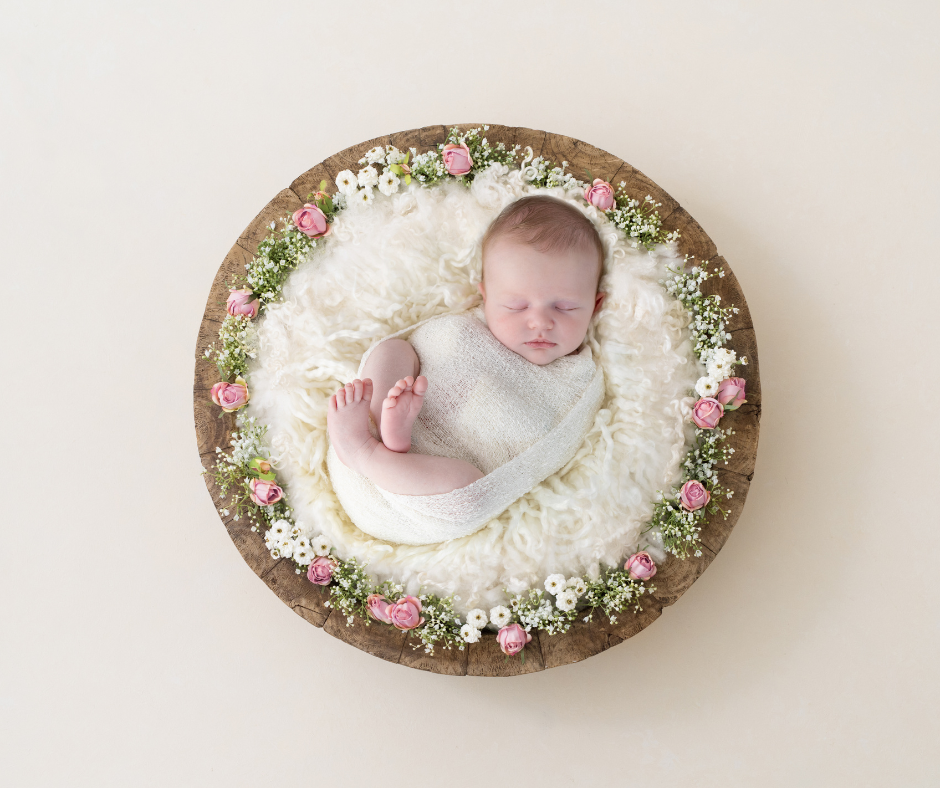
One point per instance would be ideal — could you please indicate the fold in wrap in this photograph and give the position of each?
(517, 422)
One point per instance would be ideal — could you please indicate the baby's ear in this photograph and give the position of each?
(598, 300)
(482, 291)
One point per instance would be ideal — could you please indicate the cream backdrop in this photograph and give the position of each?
(138, 139)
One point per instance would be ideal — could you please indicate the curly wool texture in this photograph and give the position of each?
(404, 259)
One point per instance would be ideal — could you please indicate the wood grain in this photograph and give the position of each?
(673, 578)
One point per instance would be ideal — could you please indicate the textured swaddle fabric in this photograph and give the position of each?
(517, 422)
(416, 255)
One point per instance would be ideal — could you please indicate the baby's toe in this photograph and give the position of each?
(357, 390)
(421, 385)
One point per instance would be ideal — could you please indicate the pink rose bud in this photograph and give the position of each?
(512, 639)
(457, 159)
(230, 396)
(320, 571)
(731, 393)
(311, 221)
(378, 608)
(693, 495)
(706, 412)
(242, 302)
(640, 566)
(264, 493)
(600, 195)
(405, 613)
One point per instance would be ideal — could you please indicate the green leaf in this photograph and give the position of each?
(407, 179)
(396, 169)
(323, 185)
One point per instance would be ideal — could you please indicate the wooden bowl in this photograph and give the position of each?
(484, 658)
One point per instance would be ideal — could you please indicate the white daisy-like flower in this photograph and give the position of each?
(554, 583)
(388, 183)
(363, 197)
(303, 555)
(500, 616)
(286, 548)
(347, 183)
(368, 177)
(469, 633)
(477, 618)
(296, 531)
(375, 155)
(578, 584)
(320, 545)
(280, 529)
(395, 156)
(567, 600)
(706, 387)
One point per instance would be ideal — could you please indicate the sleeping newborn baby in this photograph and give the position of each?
(542, 263)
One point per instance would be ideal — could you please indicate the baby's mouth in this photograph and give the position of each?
(540, 343)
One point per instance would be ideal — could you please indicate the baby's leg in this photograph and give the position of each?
(406, 474)
(393, 367)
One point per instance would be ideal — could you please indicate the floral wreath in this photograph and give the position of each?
(247, 475)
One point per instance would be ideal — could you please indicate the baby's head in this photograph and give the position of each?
(542, 261)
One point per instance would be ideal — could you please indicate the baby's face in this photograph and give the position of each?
(539, 304)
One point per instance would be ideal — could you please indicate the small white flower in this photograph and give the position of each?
(280, 529)
(500, 616)
(347, 182)
(295, 531)
(375, 155)
(286, 548)
(395, 156)
(368, 177)
(320, 545)
(721, 363)
(363, 197)
(706, 387)
(554, 583)
(567, 600)
(469, 633)
(388, 183)
(477, 618)
(303, 555)
(577, 584)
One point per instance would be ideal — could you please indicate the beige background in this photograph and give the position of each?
(139, 139)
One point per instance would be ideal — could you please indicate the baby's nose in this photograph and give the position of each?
(541, 319)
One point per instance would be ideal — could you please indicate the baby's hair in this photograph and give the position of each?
(546, 223)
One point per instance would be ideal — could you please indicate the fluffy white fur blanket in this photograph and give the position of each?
(407, 258)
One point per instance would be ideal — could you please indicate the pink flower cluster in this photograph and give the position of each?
(404, 614)
(708, 410)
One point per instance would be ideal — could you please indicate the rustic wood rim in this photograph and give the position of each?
(484, 658)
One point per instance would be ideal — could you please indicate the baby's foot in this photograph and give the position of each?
(347, 419)
(399, 411)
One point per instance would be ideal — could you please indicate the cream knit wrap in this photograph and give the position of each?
(517, 422)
